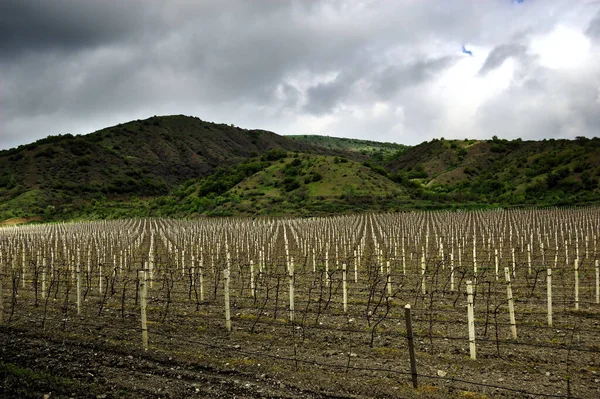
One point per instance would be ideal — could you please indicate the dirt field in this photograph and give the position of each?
(324, 352)
(192, 355)
(35, 367)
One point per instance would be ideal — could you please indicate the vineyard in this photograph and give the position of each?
(473, 304)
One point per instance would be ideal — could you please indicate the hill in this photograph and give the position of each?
(277, 183)
(548, 172)
(377, 151)
(183, 167)
(300, 184)
(143, 158)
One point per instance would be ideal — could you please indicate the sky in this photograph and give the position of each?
(404, 71)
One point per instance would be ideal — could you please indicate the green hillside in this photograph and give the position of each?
(276, 184)
(183, 167)
(377, 151)
(144, 158)
(548, 172)
(307, 184)
(280, 184)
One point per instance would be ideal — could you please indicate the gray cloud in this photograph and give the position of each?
(323, 97)
(394, 78)
(548, 106)
(290, 66)
(593, 30)
(28, 26)
(500, 54)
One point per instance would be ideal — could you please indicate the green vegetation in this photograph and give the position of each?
(502, 172)
(297, 184)
(181, 166)
(377, 151)
(144, 159)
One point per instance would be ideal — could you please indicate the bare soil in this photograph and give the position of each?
(321, 355)
(35, 367)
(17, 221)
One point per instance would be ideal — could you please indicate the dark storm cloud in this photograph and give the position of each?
(77, 66)
(68, 25)
(500, 54)
(65, 59)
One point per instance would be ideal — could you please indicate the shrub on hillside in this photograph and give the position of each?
(274, 155)
(290, 183)
(313, 177)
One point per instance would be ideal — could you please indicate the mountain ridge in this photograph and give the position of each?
(183, 167)
(143, 158)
